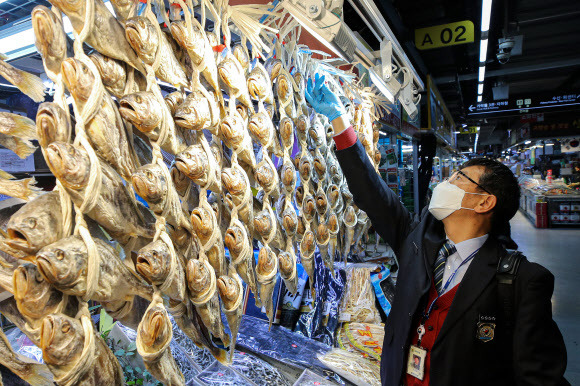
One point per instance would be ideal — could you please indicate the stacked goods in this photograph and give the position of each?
(91, 239)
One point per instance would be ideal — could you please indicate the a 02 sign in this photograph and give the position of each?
(444, 35)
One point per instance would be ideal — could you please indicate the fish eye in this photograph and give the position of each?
(138, 98)
(32, 223)
(65, 328)
(59, 254)
(38, 277)
(149, 175)
(188, 155)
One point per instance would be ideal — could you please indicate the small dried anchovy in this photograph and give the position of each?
(199, 356)
(219, 375)
(257, 370)
(188, 369)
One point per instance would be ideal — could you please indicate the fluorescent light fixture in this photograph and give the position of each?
(527, 142)
(1, 1)
(549, 144)
(483, 50)
(485, 15)
(382, 132)
(476, 140)
(481, 74)
(480, 89)
(479, 98)
(377, 81)
(464, 125)
(456, 132)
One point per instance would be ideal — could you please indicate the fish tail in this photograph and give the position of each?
(32, 86)
(24, 148)
(37, 375)
(5, 175)
(24, 127)
(220, 354)
(3, 57)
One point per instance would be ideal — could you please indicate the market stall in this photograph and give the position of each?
(200, 229)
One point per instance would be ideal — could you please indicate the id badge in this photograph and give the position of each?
(416, 362)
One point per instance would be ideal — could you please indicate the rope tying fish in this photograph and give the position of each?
(141, 348)
(206, 297)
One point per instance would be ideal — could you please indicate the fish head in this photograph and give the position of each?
(154, 261)
(299, 195)
(180, 179)
(233, 180)
(193, 162)
(70, 164)
(273, 66)
(286, 129)
(229, 71)
(79, 79)
(333, 223)
(263, 223)
(290, 220)
(182, 34)
(319, 164)
(377, 156)
(260, 126)
(50, 38)
(61, 340)
(308, 243)
(284, 87)
(155, 327)
(112, 71)
(265, 174)
(64, 262)
(203, 220)
(305, 168)
(270, 110)
(267, 261)
(243, 111)
(76, 7)
(333, 194)
(321, 201)
(150, 183)
(142, 110)
(258, 83)
(229, 202)
(299, 79)
(229, 289)
(350, 216)
(235, 238)
(35, 297)
(142, 36)
(232, 128)
(346, 193)
(198, 276)
(301, 228)
(187, 115)
(322, 233)
(309, 206)
(302, 127)
(241, 55)
(173, 100)
(36, 224)
(288, 173)
(285, 263)
(51, 124)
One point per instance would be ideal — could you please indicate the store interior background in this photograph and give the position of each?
(524, 110)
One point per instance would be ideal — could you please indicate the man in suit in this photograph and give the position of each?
(446, 309)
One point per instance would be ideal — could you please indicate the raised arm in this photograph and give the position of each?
(371, 194)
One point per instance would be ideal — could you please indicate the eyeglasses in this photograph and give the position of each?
(460, 173)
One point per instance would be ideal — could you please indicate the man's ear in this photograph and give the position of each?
(486, 204)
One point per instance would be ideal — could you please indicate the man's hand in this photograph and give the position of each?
(323, 100)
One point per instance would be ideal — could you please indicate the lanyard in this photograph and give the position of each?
(449, 281)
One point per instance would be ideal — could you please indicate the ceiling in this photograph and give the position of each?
(13, 10)
(549, 63)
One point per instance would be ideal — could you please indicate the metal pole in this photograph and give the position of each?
(415, 177)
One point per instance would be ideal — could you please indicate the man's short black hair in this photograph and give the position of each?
(499, 180)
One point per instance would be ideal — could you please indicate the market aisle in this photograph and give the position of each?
(559, 251)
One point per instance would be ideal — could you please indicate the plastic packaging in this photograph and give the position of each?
(290, 307)
(353, 367)
(331, 306)
(358, 302)
(384, 287)
(256, 370)
(366, 338)
(22, 345)
(311, 310)
(308, 378)
(220, 375)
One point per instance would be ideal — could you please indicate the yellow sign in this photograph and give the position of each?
(444, 35)
(469, 130)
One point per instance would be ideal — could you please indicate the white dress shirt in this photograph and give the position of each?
(464, 250)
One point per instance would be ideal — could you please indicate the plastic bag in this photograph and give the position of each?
(366, 338)
(290, 307)
(331, 306)
(21, 344)
(353, 367)
(311, 310)
(257, 370)
(384, 287)
(358, 302)
(220, 375)
(308, 378)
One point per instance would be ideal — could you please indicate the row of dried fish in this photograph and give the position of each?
(170, 257)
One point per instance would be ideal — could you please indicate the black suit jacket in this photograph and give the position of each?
(533, 355)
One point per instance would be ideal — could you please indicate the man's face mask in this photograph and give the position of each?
(447, 198)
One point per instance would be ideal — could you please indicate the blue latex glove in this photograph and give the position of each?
(323, 100)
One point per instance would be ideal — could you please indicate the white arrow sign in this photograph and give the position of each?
(471, 108)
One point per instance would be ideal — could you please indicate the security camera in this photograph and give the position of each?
(505, 47)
